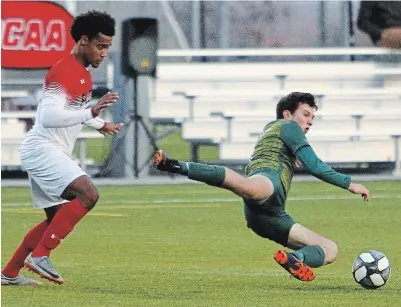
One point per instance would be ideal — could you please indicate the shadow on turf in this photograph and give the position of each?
(306, 287)
(343, 288)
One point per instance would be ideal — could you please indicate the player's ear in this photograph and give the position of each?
(84, 40)
(286, 114)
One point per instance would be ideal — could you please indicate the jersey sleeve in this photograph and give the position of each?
(95, 123)
(52, 112)
(321, 170)
(53, 115)
(292, 136)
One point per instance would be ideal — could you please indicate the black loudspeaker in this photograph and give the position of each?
(139, 47)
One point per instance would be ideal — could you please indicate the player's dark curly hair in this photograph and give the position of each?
(91, 24)
(292, 101)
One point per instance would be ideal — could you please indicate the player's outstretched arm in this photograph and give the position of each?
(316, 167)
(323, 171)
(294, 138)
(53, 114)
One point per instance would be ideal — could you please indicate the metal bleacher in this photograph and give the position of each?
(228, 104)
(12, 133)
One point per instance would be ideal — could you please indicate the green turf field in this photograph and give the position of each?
(188, 245)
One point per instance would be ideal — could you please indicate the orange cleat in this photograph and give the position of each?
(158, 158)
(163, 163)
(295, 267)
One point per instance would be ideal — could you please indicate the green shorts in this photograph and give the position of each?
(269, 219)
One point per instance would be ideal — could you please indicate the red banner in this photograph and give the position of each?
(34, 34)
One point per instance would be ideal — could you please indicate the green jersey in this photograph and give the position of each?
(276, 150)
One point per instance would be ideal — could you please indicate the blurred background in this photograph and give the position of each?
(238, 24)
(221, 67)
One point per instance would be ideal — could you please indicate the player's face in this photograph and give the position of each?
(97, 49)
(304, 116)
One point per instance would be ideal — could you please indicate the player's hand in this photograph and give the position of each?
(357, 188)
(104, 102)
(298, 164)
(110, 129)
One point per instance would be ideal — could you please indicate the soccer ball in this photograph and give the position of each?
(371, 269)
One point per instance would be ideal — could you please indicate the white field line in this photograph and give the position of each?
(214, 200)
(33, 211)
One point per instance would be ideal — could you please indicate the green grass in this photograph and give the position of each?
(188, 245)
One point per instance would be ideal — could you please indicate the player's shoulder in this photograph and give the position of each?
(63, 63)
(290, 128)
(283, 124)
(288, 124)
(63, 70)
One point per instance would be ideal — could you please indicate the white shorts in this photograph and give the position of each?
(50, 171)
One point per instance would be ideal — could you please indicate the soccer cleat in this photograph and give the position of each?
(295, 267)
(19, 280)
(164, 163)
(43, 267)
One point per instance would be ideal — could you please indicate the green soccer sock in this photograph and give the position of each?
(183, 168)
(312, 255)
(210, 174)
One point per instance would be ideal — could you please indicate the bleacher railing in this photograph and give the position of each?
(275, 52)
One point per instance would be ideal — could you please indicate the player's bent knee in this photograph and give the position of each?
(89, 198)
(84, 190)
(92, 199)
(331, 251)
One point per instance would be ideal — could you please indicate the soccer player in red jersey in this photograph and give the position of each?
(58, 184)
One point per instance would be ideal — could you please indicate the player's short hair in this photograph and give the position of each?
(91, 24)
(292, 101)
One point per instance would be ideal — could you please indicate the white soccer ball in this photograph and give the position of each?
(371, 269)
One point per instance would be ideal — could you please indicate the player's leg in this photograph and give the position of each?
(61, 180)
(312, 248)
(311, 251)
(256, 187)
(84, 196)
(276, 227)
(10, 273)
(51, 212)
(269, 220)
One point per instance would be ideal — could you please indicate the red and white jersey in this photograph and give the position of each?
(68, 85)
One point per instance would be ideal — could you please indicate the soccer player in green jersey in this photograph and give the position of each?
(265, 187)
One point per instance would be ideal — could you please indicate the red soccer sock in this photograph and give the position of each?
(30, 241)
(61, 225)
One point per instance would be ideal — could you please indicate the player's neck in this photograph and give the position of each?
(79, 57)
